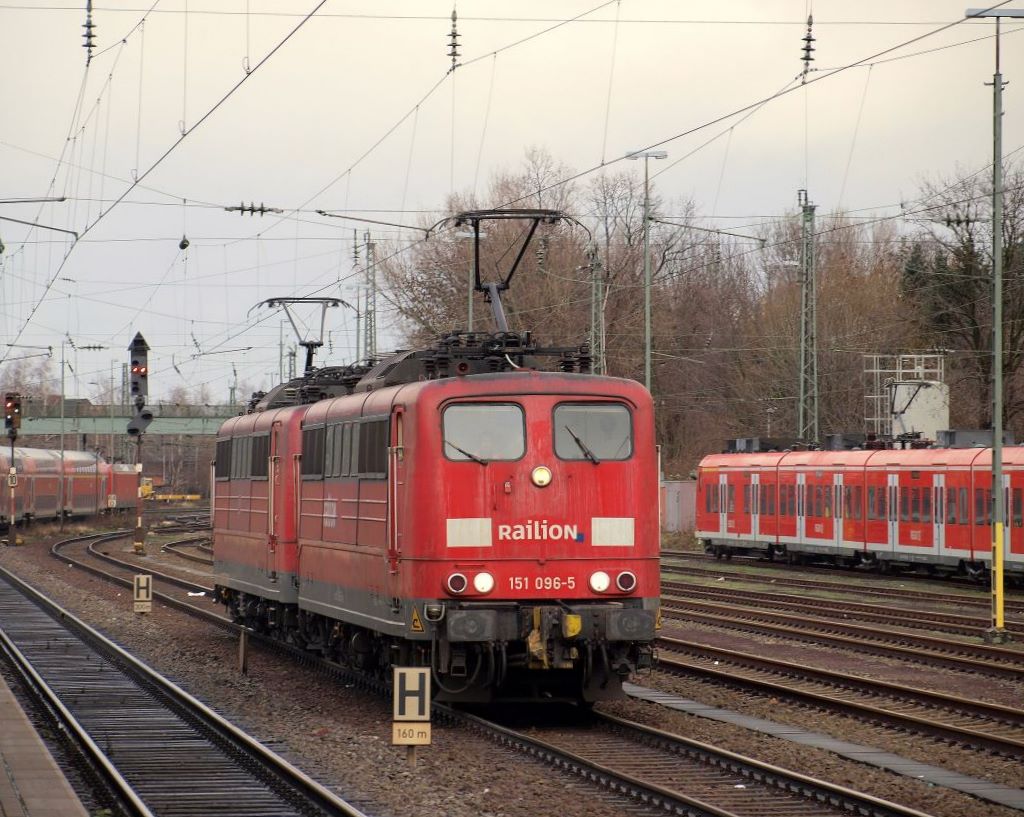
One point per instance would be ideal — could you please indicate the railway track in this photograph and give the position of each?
(955, 719)
(974, 658)
(832, 608)
(779, 575)
(159, 750)
(671, 764)
(683, 776)
(178, 548)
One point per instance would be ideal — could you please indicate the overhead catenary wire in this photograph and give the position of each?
(160, 160)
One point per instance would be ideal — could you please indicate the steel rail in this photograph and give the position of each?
(851, 636)
(946, 704)
(95, 758)
(783, 781)
(672, 562)
(288, 774)
(926, 620)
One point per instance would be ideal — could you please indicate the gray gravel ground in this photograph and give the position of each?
(342, 735)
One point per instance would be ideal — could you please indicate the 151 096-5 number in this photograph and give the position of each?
(542, 583)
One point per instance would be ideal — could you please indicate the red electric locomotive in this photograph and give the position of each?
(451, 508)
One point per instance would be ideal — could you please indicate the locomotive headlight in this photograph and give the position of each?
(456, 584)
(541, 476)
(600, 581)
(483, 582)
(626, 581)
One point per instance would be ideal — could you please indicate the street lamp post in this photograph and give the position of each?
(646, 155)
(997, 633)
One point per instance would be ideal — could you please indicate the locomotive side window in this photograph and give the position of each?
(483, 432)
(259, 464)
(222, 467)
(313, 453)
(373, 449)
(593, 432)
(241, 456)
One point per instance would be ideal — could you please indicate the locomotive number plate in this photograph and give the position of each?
(542, 583)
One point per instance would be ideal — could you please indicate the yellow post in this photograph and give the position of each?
(997, 578)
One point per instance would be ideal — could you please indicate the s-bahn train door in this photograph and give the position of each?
(894, 509)
(938, 513)
(754, 506)
(801, 507)
(837, 509)
(723, 508)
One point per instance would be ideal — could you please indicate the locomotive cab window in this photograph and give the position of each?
(483, 432)
(593, 432)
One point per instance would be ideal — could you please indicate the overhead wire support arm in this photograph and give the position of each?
(326, 214)
(40, 226)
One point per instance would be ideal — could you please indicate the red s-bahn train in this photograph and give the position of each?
(449, 508)
(91, 485)
(929, 507)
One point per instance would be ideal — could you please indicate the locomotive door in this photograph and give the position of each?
(396, 499)
(274, 495)
(893, 482)
(938, 512)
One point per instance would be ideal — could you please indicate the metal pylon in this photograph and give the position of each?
(807, 412)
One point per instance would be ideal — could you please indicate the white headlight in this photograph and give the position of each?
(483, 582)
(599, 582)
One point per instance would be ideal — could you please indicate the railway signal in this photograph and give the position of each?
(137, 426)
(12, 413)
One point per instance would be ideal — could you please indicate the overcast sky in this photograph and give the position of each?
(355, 110)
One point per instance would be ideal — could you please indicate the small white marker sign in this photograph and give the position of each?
(411, 710)
(142, 593)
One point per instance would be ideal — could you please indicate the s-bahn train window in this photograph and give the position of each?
(1018, 508)
(904, 504)
(791, 500)
(746, 500)
(483, 432)
(926, 504)
(915, 504)
(593, 432)
(872, 510)
(222, 464)
(965, 517)
(951, 517)
(731, 499)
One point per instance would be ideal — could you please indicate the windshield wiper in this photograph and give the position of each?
(466, 454)
(590, 455)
